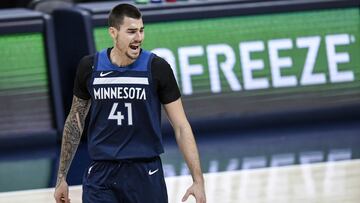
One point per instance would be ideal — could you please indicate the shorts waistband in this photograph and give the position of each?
(130, 160)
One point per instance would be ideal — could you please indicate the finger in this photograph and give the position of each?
(200, 200)
(66, 195)
(58, 198)
(186, 195)
(65, 198)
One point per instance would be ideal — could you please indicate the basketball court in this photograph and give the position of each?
(330, 182)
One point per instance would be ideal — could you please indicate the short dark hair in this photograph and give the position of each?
(117, 14)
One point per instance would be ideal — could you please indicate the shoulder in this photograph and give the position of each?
(159, 63)
(157, 60)
(164, 77)
(87, 60)
(85, 64)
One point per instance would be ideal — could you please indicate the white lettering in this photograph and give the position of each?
(126, 89)
(106, 92)
(113, 93)
(142, 94)
(308, 77)
(131, 93)
(227, 67)
(97, 93)
(248, 65)
(221, 60)
(120, 93)
(187, 69)
(335, 58)
(277, 63)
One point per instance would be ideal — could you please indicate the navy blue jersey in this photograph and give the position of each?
(125, 110)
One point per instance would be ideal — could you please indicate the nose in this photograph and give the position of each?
(139, 36)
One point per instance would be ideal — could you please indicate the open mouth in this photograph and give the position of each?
(134, 47)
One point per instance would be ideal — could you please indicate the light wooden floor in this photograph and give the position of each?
(331, 182)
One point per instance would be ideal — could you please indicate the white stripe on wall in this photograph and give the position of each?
(121, 80)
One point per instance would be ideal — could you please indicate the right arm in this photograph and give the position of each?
(73, 129)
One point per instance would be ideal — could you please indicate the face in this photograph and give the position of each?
(128, 39)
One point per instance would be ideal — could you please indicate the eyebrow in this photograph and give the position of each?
(131, 29)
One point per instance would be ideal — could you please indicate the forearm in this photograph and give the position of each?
(73, 129)
(186, 142)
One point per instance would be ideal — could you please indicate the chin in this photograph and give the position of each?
(133, 56)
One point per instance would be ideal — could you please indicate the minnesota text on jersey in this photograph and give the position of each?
(138, 93)
(120, 93)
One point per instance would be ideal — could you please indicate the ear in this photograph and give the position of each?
(113, 33)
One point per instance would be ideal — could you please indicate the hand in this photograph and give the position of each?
(61, 194)
(198, 191)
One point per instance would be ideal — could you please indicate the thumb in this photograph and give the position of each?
(186, 196)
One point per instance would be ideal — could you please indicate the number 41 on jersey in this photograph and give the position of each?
(117, 115)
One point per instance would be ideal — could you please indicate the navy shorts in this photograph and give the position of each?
(125, 181)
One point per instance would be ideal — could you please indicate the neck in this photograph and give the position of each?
(119, 59)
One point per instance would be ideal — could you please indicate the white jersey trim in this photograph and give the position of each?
(121, 80)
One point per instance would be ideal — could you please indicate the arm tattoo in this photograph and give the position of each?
(73, 128)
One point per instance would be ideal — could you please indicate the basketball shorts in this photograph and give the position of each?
(125, 181)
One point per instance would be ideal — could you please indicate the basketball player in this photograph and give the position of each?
(126, 86)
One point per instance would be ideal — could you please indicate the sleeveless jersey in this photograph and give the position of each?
(125, 114)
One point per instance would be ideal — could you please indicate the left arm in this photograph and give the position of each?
(186, 142)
